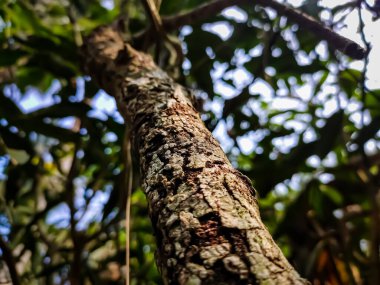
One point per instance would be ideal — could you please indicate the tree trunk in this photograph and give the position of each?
(203, 211)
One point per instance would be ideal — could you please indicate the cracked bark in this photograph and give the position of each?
(203, 211)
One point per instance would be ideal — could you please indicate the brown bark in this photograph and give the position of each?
(204, 212)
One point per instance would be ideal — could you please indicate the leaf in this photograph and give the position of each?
(8, 108)
(33, 76)
(54, 63)
(20, 156)
(201, 63)
(295, 221)
(349, 80)
(231, 105)
(10, 57)
(329, 133)
(245, 36)
(332, 194)
(308, 41)
(299, 154)
(23, 18)
(321, 82)
(372, 101)
(15, 141)
(57, 45)
(316, 198)
(367, 132)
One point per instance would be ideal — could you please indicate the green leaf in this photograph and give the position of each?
(10, 57)
(233, 104)
(329, 133)
(332, 194)
(24, 18)
(321, 82)
(33, 76)
(15, 141)
(8, 108)
(349, 80)
(367, 132)
(372, 102)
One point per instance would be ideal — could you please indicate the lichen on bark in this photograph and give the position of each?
(203, 211)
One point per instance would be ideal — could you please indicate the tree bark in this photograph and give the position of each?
(204, 212)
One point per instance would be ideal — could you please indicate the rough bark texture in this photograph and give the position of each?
(203, 211)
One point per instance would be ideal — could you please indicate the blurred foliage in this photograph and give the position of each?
(294, 116)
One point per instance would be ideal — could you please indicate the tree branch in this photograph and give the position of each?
(9, 261)
(304, 21)
(204, 212)
(199, 13)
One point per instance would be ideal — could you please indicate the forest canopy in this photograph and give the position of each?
(293, 111)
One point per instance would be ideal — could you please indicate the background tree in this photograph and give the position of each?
(315, 168)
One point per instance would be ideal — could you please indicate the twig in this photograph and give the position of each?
(75, 270)
(9, 261)
(71, 13)
(375, 9)
(199, 13)
(305, 21)
(122, 21)
(128, 176)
